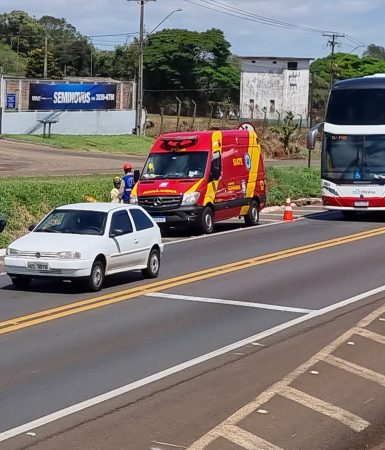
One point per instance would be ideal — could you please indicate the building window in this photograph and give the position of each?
(272, 106)
(292, 65)
(274, 62)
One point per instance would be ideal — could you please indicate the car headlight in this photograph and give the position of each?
(69, 255)
(190, 198)
(12, 252)
(133, 199)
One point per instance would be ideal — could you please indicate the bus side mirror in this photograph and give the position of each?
(136, 175)
(312, 135)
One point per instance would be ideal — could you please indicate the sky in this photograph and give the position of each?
(287, 28)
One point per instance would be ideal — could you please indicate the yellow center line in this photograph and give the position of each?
(47, 315)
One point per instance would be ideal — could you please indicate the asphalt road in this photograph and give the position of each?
(251, 338)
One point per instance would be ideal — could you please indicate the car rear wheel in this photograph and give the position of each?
(153, 264)
(207, 221)
(252, 217)
(21, 282)
(96, 278)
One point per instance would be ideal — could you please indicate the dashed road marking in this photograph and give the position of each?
(220, 301)
(283, 388)
(245, 439)
(347, 418)
(371, 335)
(355, 369)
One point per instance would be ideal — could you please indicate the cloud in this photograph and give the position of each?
(361, 19)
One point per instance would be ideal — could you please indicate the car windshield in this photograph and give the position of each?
(354, 158)
(73, 221)
(175, 165)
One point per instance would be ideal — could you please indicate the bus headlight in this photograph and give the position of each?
(190, 198)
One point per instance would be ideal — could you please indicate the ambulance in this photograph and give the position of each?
(199, 178)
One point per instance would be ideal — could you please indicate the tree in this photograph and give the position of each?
(286, 132)
(35, 65)
(125, 61)
(72, 51)
(103, 63)
(20, 31)
(10, 62)
(345, 65)
(375, 51)
(193, 65)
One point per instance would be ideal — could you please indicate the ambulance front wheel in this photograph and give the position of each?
(252, 217)
(207, 221)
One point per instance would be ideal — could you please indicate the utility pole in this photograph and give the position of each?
(139, 90)
(332, 42)
(45, 57)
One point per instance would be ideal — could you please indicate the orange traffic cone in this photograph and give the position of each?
(288, 213)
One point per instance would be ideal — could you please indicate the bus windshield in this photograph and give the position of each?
(356, 107)
(353, 158)
(175, 165)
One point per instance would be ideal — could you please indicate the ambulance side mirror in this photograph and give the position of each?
(216, 167)
(136, 175)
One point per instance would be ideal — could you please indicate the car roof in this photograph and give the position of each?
(101, 207)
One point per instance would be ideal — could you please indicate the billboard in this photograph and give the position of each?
(71, 96)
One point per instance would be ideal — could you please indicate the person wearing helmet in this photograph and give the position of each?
(127, 183)
(115, 191)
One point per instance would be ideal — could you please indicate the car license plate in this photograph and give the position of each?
(159, 219)
(361, 203)
(37, 266)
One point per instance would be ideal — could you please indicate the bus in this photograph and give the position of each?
(353, 146)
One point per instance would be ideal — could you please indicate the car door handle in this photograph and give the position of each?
(136, 241)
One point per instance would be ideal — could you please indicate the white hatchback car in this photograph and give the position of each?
(86, 240)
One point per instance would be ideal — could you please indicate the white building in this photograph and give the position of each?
(272, 86)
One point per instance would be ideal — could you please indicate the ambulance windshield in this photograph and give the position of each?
(175, 165)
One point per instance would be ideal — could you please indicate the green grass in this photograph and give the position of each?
(25, 200)
(298, 182)
(131, 144)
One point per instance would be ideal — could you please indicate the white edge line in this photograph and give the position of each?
(220, 301)
(179, 367)
(204, 236)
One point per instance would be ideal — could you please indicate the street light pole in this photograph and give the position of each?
(139, 90)
(142, 39)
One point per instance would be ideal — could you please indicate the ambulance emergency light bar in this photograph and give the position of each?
(178, 142)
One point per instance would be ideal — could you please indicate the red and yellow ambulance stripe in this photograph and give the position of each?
(254, 152)
(216, 146)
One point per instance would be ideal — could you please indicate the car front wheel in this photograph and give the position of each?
(207, 221)
(153, 264)
(96, 278)
(252, 217)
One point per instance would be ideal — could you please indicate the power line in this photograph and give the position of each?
(244, 15)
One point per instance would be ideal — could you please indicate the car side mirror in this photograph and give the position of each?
(31, 227)
(2, 225)
(136, 175)
(115, 232)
